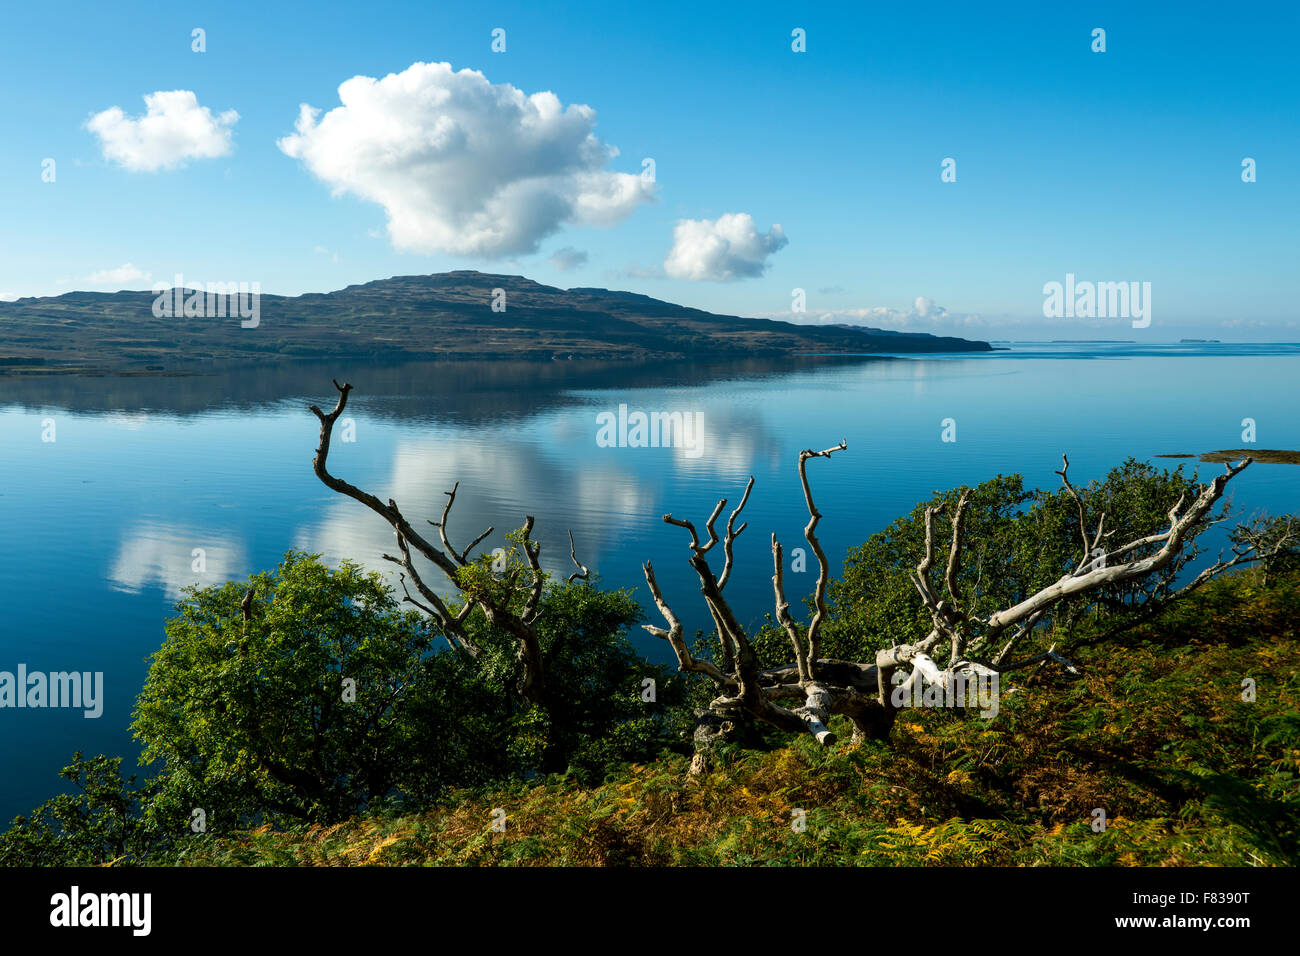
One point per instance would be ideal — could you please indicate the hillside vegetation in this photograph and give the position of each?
(1187, 772)
(405, 318)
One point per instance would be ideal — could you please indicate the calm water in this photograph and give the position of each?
(100, 524)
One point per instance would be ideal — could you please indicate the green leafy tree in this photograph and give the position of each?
(310, 704)
(98, 823)
(594, 711)
(325, 699)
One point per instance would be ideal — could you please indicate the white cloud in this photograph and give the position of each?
(567, 258)
(462, 165)
(119, 277)
(722, 249)
(156, 554)
(175, 128)
(926, 309)
(925, 315)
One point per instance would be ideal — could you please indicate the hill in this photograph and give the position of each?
(442, 316)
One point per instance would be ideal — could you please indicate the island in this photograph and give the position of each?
(452, 315)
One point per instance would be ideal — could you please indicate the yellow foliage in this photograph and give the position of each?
(375, 854)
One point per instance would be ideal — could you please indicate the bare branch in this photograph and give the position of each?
(1040, 659)
(681, 523)
(921, 578)
(410, 600)
(449, 624)
(956, 613)
(519, 626)
(903, 653)
(1025, 628)
(582, 572)
(388, 512)
(1083, 517)
(1070, 584)
(954, 553)
(674, 636)
(708, 525)
(732, 534)
(461, 557)
(752, 690)
(532, 551)
(783, 613)
(824, 570)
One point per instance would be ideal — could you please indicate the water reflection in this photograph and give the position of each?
(499, 483)
(146, 470)
(173, 557)
(462, 392)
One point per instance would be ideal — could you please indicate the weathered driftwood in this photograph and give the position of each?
(802, 695)
(521, 625)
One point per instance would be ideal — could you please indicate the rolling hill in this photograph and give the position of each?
(442, 316)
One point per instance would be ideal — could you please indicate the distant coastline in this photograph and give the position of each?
(446, 316)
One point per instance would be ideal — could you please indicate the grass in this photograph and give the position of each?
(1155, 733)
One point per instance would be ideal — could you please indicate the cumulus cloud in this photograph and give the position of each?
(729, 247)
(926, 309)
(462, 165)
(118, 277)
(567, 258)
(174, 129)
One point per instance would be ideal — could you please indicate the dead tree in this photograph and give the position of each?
(800, 697)
(524, 584)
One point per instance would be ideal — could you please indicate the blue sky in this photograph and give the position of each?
(1115, 166)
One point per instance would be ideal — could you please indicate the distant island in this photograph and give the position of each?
(442, 316)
